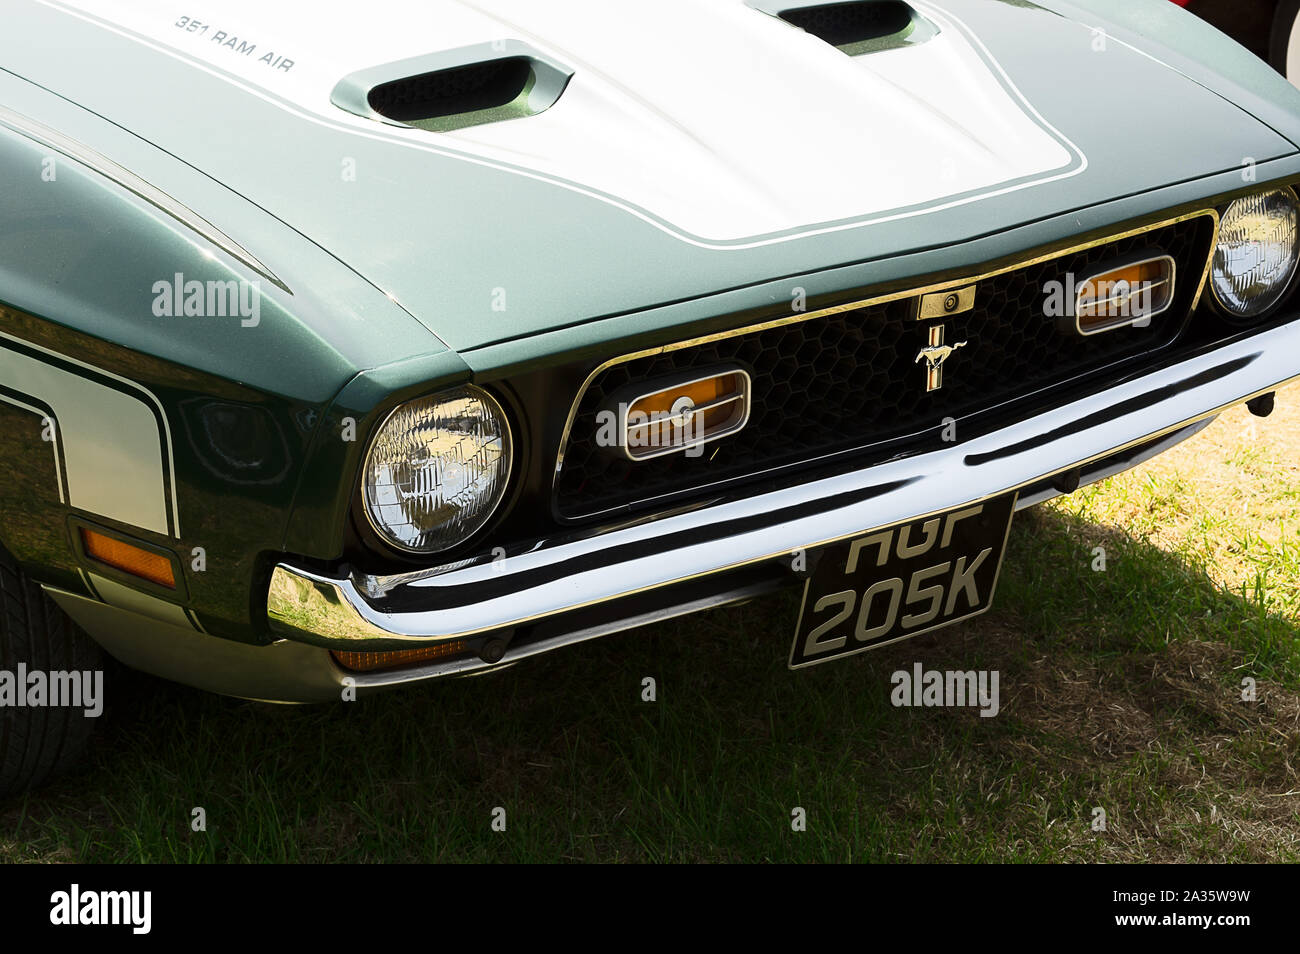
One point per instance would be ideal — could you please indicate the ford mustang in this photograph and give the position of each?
(346, 348)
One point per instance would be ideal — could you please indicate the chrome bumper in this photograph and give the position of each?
(560, 575)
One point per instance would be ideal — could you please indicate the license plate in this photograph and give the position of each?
(902, 581)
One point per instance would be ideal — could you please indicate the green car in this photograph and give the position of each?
(348, 348)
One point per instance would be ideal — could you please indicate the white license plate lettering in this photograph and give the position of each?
(902, 580)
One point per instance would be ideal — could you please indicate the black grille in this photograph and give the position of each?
(851, 381)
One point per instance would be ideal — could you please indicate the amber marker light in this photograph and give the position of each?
(369, 662)
(692, 412)
(1125, 295)
(128, 558)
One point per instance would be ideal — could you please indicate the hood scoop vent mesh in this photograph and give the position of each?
(460, 91)
(856, 27)
(441, 92)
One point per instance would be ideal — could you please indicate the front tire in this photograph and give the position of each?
(1284, 40)
(37, 743)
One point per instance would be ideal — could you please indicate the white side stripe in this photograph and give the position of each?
(113, 451)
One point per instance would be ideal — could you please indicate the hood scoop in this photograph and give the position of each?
(469, 86)
(856, 27)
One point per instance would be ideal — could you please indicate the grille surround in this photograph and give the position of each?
(887, 330)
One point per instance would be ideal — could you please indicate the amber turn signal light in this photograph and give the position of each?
(1127, 295)
(128, 558)
(686, 414)
(369, 662)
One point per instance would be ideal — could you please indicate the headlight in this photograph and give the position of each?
(437, 469)
(1256, 254)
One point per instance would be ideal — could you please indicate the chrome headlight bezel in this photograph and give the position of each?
(1278, 291)
(380, 530)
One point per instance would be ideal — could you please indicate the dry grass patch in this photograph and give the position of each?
(1228, 499)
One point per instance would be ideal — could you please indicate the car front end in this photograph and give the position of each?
(650, 332)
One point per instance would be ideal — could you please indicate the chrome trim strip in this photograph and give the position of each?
(557, 575)
(472, 665)
(120, 175)
(916, 291)
(1127, 462)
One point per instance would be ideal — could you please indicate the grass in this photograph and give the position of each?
(1121, 690)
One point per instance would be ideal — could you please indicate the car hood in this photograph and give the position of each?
(697, 145)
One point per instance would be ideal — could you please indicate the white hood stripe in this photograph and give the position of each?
(728, 201)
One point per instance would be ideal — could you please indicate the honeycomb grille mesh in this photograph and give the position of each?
(851, 381)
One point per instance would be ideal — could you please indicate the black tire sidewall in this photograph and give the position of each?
(1284, 22)
(37, 744)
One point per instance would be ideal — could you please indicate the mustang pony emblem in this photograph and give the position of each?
(935, 354)
(935, 357)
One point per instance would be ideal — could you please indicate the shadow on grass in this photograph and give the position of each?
(1120, 690)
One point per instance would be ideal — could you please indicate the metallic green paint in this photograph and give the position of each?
(1189, 44)
(79, 256)
(390, 279)
(441, 233)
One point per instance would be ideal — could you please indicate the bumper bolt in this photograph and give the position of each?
(1067, 482)
(492, 651)
(1261, 406)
